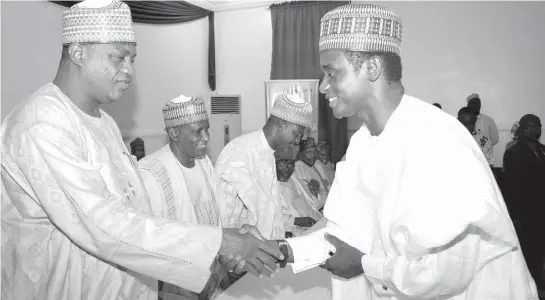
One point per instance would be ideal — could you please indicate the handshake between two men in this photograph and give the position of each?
(245, 250)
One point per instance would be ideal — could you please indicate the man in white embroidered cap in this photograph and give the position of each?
(181, 182)
(408, 217)
(76, 221)
(246, 167)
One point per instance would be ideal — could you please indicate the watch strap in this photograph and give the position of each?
(283, 246)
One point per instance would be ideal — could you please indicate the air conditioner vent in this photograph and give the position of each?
(225, 105)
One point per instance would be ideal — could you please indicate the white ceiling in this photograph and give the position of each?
(223, 5)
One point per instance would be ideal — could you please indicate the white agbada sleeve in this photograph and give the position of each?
(238, 207)
(245, 201)
(439, 222)
(78, 202)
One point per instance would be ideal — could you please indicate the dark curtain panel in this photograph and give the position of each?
(172, 12)
(296, 31)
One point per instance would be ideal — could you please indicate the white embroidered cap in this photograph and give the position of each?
(293, 108)
(360, 27)
(184, 110)
(98, 22)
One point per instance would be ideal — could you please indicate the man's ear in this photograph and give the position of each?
(77, 53)
(373, 68)
(173, 133)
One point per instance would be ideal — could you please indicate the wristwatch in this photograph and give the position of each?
(283, 246)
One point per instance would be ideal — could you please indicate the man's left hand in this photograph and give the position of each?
(346, 262)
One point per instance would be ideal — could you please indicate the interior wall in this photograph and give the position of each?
(243, 61)
(453, 49)
(30, 53)
(171, 60)
(449, 50)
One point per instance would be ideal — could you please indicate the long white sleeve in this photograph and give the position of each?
(445, 271)
(78, 202)
(443, 227)
(312, 250)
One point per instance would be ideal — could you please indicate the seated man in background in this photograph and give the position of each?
(323, 164)
(467, 117)
(300, 211)
(137, 148)
(307, 176)
(181, 182)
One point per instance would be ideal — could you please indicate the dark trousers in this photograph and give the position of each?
(532, 245)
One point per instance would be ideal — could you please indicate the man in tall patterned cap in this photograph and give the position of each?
(307, 175)
(76, 221)
(403, 222)
(246, 168)
(485, 125)
(180, 179)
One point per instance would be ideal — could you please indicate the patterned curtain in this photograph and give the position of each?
(172, 12)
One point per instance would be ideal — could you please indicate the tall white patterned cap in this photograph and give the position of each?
(98, 22)
(293, 109)
(184, 110)
(360, 27)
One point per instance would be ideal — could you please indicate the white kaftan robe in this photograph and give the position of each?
(299, 205)
(426, 212)
(184, 195)
(326, 171)
(76, 223)
(246, 170)
(303, 174)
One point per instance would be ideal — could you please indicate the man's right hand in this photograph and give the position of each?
(260, 256)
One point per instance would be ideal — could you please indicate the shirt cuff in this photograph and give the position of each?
(308, 252)
(289, 224)
(374, 270)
